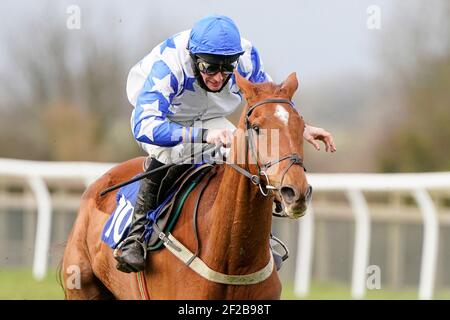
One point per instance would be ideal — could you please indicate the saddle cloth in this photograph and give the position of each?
(171, 197)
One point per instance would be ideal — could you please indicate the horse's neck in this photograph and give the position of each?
(240, 222)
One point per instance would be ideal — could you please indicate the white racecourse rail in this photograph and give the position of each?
(37, 173)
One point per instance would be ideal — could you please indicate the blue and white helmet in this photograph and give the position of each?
(215, 35)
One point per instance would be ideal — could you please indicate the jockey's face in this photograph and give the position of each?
(214, 81)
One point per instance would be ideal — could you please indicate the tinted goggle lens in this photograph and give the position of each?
(211, 68)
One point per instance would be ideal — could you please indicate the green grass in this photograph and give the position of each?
(340, 291)
(18, 284)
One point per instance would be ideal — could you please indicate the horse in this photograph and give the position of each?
(234, 214)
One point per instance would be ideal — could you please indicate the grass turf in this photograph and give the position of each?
(18, 284)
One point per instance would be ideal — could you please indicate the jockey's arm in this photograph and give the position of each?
(159, 130)
(257, 74)
(149, 122)
(312, 134)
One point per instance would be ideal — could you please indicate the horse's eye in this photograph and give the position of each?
(256, 128)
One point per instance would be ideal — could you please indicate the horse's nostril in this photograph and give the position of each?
(309, 193)
(288, 194)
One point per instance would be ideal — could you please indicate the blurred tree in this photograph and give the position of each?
(65, 98)
(419, 64)
(69, 132)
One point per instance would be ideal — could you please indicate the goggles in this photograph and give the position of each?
(213, 68)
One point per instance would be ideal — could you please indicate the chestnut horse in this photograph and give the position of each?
(234, 214)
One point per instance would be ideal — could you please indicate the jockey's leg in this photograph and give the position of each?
(131, 256)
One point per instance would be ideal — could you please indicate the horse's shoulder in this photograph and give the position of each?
(125, 170)
(210, 193)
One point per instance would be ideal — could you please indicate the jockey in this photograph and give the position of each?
(181, 92)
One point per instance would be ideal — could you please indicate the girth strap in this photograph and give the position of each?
(197, 265)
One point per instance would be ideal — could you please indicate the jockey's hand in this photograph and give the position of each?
(219, 136)
(311, 134)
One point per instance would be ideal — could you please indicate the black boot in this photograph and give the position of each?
(132, 251)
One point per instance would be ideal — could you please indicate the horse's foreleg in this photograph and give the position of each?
(78, 279)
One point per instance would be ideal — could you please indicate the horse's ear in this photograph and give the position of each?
(244, 85)
(290, 85)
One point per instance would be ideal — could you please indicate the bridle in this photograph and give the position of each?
(294, 158)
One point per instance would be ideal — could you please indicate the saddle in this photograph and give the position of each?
(178, 182)
(174, 189)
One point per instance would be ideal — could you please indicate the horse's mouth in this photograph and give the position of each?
(296, 214)
(296, 211)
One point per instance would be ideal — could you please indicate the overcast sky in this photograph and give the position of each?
(316, 38)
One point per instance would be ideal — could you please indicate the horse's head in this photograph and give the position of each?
(274, 140)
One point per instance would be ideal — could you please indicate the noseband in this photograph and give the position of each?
(294, 158)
